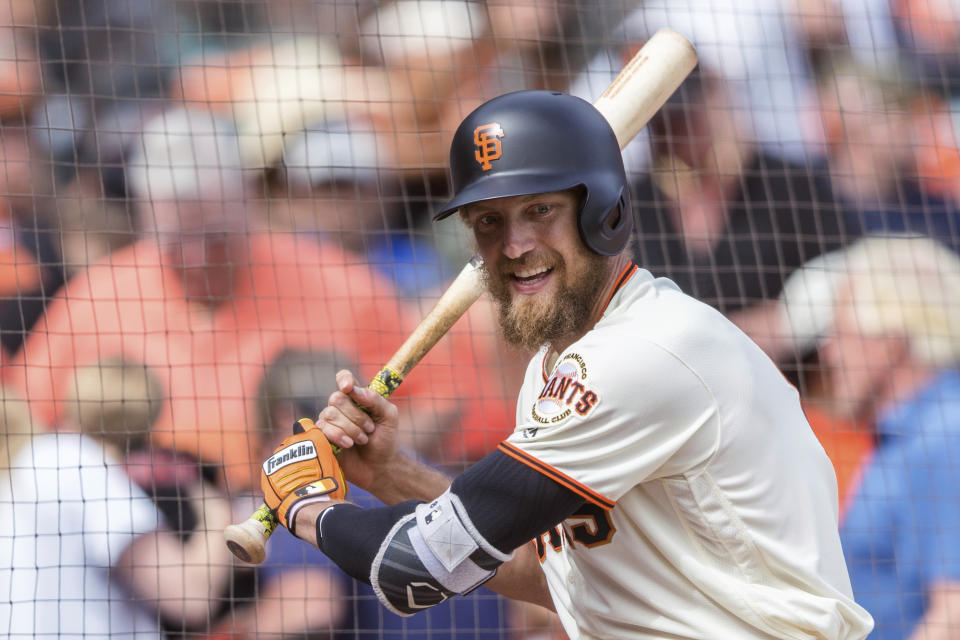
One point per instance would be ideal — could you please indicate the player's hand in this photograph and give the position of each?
(302, 470)
(356, 415)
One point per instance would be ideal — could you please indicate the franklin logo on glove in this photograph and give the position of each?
(288, 455)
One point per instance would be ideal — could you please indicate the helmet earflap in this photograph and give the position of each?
(607, 232)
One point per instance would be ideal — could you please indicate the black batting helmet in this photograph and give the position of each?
(540, 141)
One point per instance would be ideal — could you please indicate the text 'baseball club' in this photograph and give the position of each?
(565, 393)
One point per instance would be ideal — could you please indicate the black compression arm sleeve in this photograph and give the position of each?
(351, 535)
(510, 503)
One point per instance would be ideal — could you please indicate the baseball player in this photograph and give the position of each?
(660, 464)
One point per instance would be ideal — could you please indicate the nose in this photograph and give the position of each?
(518, 238)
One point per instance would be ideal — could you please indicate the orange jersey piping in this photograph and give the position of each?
(628, 271)
(557, 476)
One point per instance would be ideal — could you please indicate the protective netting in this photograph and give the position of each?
(209, 207)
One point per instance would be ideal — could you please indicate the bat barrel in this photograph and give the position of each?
(646, 82)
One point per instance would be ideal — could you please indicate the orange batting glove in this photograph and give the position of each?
(301, 471)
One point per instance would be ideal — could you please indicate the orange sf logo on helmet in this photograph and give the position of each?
(486, 137)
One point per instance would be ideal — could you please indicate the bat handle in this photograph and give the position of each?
(248, 540)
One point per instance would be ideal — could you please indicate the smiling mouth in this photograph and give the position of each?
(529, 276)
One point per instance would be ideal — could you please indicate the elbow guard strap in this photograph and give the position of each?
(431, 555)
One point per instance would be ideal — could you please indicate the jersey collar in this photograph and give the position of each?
(622, 279)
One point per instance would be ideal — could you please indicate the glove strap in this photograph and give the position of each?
(316, 491)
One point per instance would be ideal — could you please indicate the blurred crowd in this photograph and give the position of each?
(207, 207)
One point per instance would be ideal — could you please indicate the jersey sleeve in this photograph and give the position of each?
(611, 416)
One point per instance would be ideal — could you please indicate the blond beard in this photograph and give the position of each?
(529, 322)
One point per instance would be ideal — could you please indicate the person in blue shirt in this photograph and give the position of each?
(892, 358)
(878, 186)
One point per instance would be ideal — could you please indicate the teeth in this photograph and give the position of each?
(529, 273)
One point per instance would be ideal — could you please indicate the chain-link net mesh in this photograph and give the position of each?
(209, 207)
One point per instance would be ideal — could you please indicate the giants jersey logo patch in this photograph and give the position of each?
(486, 137)
(565, 393)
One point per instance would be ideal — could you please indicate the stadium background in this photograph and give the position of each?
(239, 193)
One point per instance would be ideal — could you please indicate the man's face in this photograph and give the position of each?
(202, 241)
(858, 364)
(855, 116)
(545, 280)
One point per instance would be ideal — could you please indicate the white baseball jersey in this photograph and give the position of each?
(68, 511)
(711, 509)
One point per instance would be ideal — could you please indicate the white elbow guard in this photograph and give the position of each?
(432, 554)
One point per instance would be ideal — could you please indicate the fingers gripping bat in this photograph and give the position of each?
(634, 96)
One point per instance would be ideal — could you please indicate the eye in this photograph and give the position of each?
(485, 221)
(542, 209)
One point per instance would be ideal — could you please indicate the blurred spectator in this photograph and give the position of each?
(847, 443)
(750, 46)
(333, 182)
(95, 215)
(921, 37)
(21, 272)
(436, 55)
(29, 272)
(198, 297)
(723, 220)
(925, 34)
(296, 385)
(122, 400)
(19, 60)
(937, 148)
(408, 70)
(107, 50)
(887, 315)
(115, 401)
(98, 56)
(207, 297)
(868, 116)
(310, 17)
(527, 34)
(93, 222)
(88, 552)
(269, 88)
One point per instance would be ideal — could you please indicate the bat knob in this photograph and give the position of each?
(247, 541)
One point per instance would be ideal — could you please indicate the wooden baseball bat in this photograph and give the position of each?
(638, 91)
